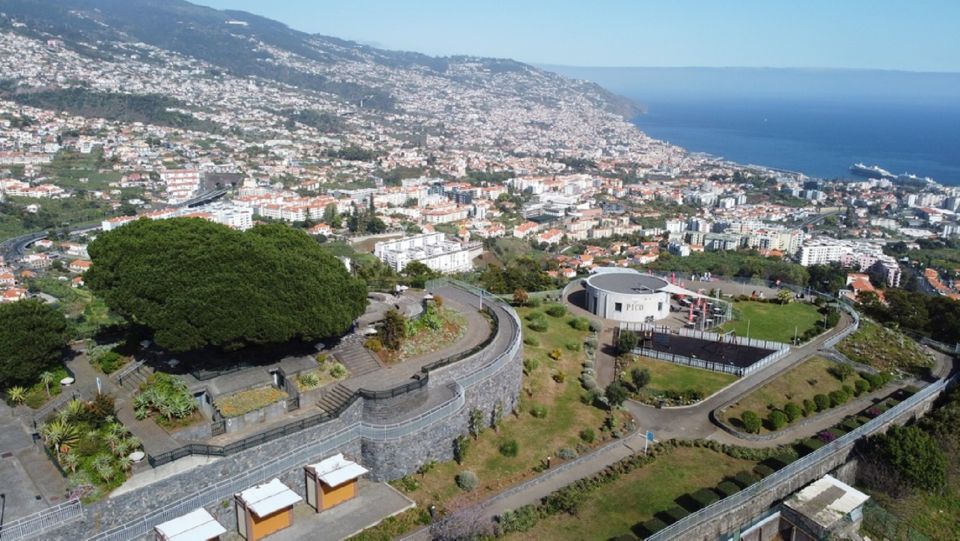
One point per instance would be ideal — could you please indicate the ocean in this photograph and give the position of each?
(818, 122)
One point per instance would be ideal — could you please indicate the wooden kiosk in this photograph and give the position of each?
(196, 525)
(265, 509)
(332, 481)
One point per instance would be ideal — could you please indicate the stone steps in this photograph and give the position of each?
(358, 359)
(335, 398)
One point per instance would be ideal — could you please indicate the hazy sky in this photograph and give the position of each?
(921, 35)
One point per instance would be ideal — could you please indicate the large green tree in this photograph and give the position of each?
(198, 284)
(32, 338)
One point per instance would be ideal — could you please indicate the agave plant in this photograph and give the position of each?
(182, 406)
(141, 413)
(125, 462)
(134, 443)
(113, 440)
(17, 394)
(60, 435)
(70, 461)
(103, 465)
(73, 409)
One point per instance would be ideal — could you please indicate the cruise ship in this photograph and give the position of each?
(873, 171)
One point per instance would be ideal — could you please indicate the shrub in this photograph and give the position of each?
(555, 354)
(850, 424)
(751, 422)
(640, 377)
(651, 527)
(826, 436)
(166, 395)
(763, 470)
(338, 370)
(522, 519)
(589, 383)
(588, 364)
(745, 479)
(567, 453)
(860, 386)
(530, 365)
(559, 376)
(531, 340)
(109, 361)
(556, 310)
(509, 448)
(374, 345)
(580, 323)
(535, 316)
(539, 411)
(573, 346)
(837, 398)
(778, 419)
(822, 401)
(848, 390)
(595, 326)
(467, 480)
(616, 393)
(809, 407)
(626, 342)
(533, 302)
(704, 497)
(841, 371)
(675, 513)
(461, 446)
(810, 445)
(793, 411)
(538, 326)
(588, 435)
(727, 488)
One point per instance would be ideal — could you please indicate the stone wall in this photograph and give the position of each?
(138, 510)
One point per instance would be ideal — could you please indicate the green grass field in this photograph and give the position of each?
(771, 321)
(537, 437)
(614, 508)
(801, 382)
(665, 376)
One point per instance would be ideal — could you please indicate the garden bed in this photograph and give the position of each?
(243, 402)
(884, 349)
(90, 446)
(676, 384)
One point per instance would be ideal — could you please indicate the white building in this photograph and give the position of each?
(432, 249)
(181, 184)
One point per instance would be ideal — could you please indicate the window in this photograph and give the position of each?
(659, 307)
(618, 307)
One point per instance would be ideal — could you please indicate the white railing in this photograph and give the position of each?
(42, 521)
(803, 466)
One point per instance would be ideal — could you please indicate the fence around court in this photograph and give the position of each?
(778, 349)
(682, 528)
(42, 521)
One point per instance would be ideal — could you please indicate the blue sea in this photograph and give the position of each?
(815, 121)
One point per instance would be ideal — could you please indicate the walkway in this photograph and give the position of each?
(28, 479)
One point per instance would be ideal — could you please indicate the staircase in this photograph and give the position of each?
(335, 399)
(131, 377)
(358, 359)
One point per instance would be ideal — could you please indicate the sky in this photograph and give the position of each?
(917, 35)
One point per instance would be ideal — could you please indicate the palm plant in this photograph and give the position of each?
(17, 394)
(60, 435)
(46, 378)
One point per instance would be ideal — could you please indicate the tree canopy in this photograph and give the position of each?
(196, 284)
(32, 338)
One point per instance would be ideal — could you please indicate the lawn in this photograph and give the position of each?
(884, 349)
(537, 437)
(771, 321)
(675, 378)
(613, 509)
(800, 383)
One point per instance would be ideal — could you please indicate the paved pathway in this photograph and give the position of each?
(29, 482)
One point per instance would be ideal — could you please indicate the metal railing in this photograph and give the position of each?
(42, 521)
(841, 445)
(41, 414)
(305, 453)
(118, 377)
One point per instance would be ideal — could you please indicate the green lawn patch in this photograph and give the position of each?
(36, 395)
(772, 321)
(239, 403)
(674, 378)
(636, 497)
(800, 383)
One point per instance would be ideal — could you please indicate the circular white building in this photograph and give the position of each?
(627, 295)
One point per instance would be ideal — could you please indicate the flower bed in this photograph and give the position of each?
(242, 402)
(326, 372)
